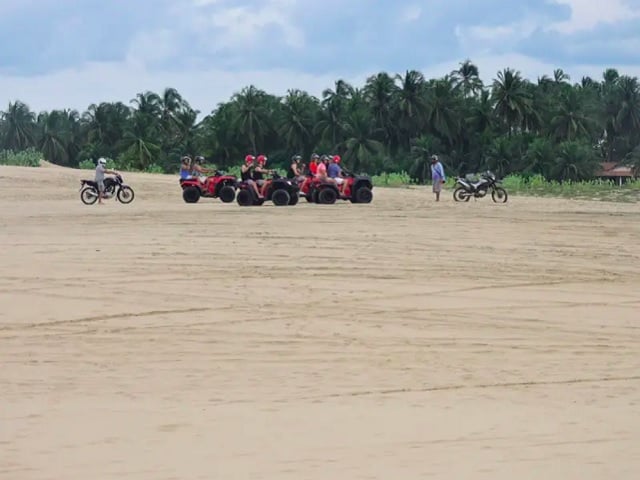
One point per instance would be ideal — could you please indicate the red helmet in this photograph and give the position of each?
(249, 159)
(262, 159)
(336, 158)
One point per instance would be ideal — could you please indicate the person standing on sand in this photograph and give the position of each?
(437, 176)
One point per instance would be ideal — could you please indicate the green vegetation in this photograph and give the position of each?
(393, 123)
(587, 189)
(25, 158)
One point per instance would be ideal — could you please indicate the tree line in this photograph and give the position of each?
(392, 123)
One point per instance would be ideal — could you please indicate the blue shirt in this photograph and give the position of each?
(437, 172)
(333, 170)
(185, 173)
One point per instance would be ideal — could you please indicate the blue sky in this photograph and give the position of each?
(70, 53)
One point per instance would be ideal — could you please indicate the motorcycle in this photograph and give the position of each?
(479, 189)
(113, 187)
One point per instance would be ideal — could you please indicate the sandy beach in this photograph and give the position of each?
(404, 339)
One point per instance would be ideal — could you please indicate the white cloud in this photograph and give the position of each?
(204, 89)
(587, 14)
(105, 82)
(154, 46)
(482, 38)
(529, 67)
(410, 13)
(247, 26)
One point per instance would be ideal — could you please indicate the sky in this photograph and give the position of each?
(71, 53)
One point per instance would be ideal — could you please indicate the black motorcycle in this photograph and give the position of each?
(113, 187)
(466, 189)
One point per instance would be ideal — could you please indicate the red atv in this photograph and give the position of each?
(357, 189)
(281, 191)
(218, 185)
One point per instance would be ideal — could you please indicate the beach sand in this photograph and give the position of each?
(402, 339)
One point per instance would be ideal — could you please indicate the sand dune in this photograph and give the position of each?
(402, 339)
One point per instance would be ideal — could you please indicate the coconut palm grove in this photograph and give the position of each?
(555, 127)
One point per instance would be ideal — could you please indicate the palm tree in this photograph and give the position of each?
(467, 79)
(360, 146)
(411, 104)
(574, 161)
(252, 120)
(19, 126)
(296, 121)
(570, 120)
(512, 100)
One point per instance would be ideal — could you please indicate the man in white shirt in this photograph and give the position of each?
(437, 176)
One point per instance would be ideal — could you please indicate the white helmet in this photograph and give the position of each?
(102, 161)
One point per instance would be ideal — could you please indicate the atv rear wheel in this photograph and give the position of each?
(280, 197)
(244, 198)
(327, 196)
(191, 194)
(227, 194)
(294, 199)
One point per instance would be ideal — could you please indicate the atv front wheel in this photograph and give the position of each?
(280, 198)
(227, 194)
(364, 195)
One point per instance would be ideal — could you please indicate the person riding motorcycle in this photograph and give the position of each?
(101, 170)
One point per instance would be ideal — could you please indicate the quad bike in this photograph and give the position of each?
(357, 189)
(466, 189)
(113, 187)
(218, 185)
(281, 191)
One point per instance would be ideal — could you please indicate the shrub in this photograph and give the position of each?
(24, 158)
(392, 179)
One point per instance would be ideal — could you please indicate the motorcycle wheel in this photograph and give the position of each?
(499, 195)
(89, 195)
(126, 195)
(461, 195)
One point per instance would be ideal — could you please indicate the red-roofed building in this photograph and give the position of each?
(616, 172)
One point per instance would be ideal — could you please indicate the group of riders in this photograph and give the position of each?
(325, 168)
